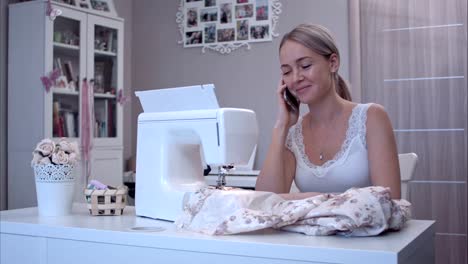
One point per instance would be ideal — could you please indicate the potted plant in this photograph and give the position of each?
(53, 164)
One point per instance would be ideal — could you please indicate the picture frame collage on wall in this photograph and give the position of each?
(225, 25)
(95, 6)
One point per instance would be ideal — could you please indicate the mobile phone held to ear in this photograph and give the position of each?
(291, 102)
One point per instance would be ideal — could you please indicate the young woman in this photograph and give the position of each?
(338, 144)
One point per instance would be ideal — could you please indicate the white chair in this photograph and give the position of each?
(408, 163)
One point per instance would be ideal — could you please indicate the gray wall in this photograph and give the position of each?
(3, 103)
(244, 78)
(124, 9)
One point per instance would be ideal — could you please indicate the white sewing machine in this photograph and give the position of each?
(173, 146)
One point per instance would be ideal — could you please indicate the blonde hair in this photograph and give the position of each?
(319, 39)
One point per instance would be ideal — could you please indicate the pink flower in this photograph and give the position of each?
(36, 158)
(45, 147)
(60, 153)
(39, 159)
(68, 147)
(60, 157)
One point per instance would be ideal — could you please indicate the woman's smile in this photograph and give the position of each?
(302, 90)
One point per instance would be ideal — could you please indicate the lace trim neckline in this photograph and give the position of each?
(351, 133)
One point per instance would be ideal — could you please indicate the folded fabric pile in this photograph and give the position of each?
(357, 212)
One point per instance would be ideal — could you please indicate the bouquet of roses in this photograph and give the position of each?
(61, 153)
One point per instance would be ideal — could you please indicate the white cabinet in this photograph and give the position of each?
(80, 238)
(76, 46)
(22, 249)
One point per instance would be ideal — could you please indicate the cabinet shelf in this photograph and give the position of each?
(104, 96)
(105, 53)
(63, 91)
(63, 46)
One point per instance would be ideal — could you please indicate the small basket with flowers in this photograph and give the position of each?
(105, 200)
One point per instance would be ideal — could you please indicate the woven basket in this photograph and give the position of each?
(106, 202)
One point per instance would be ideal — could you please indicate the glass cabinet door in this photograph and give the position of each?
(106, 71)
(67, 65)
(105, 81)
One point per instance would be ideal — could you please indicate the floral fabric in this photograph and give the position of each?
(357, 212)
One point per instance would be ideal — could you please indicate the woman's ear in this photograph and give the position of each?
(334, 62)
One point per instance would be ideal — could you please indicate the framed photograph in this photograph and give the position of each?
(259, 32)
(226, 25)
(261, 10)
(84, 4)
(210, 3)
(226, 13)
(103, 6)
(67, 2)
(226, 34)
(244, 11)
(209, 15)
(193, 38)
(210, 33)
(192, 18)
(242, 29)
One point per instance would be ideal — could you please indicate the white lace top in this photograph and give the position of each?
(349, 168)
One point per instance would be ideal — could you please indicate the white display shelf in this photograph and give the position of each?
(105, 53)
(104, 96)
(63, 46)
(65, 91)
(47, 114)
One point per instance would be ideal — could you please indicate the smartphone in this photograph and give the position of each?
(291, 101)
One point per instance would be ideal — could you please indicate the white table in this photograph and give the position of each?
(80, 238)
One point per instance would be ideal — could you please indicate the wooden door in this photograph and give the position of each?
(414, 63)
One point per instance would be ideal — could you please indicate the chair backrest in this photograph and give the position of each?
(408, 163)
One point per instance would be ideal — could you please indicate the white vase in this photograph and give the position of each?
(55, 186)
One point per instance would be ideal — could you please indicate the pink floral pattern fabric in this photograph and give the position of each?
(365, 211)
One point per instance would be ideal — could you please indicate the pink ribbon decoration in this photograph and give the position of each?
(87, 124)
(121, 98)
(51, 12)
(49, 80)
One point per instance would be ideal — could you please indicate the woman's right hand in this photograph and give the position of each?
(285, 118)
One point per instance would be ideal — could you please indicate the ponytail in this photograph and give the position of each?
(342, 88)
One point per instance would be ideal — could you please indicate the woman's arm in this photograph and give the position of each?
(382, 151)
(279, 167)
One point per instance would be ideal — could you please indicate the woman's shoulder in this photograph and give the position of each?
(377, 117)
(376, 111)
(371, 111)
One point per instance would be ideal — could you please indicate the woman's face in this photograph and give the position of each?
(306, 73)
